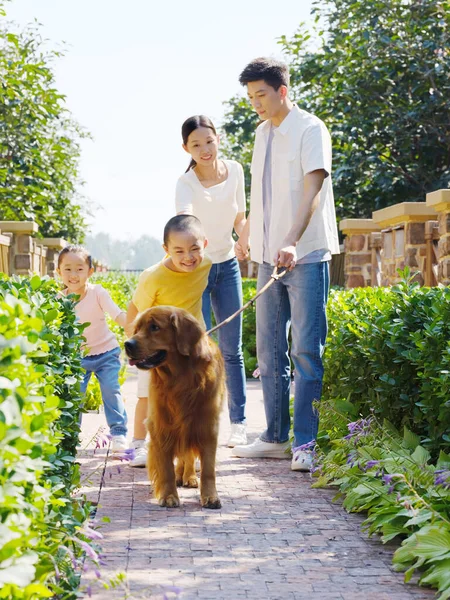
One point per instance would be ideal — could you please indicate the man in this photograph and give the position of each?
(292, 225)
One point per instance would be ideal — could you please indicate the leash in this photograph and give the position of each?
(274, 277)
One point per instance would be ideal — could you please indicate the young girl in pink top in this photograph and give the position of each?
(103, 352)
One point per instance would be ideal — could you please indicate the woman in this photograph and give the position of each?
(213, 190)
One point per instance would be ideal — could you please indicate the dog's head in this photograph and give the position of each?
(164, 333)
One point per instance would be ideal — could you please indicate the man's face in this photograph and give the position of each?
(266, 101)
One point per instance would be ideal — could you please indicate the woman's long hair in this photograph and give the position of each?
(191, 125)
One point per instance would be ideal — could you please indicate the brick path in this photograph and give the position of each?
(274, 538)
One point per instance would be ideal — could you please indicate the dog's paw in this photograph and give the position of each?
(211, 502)
(192, 482)
(169, 501)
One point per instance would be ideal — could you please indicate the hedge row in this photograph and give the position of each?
(41, 522)
(388, 351)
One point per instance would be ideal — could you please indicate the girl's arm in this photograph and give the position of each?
(109, 306)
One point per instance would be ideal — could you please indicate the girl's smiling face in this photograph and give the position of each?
(74, 272)
(202, 144)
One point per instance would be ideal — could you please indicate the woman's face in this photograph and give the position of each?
(202, 145)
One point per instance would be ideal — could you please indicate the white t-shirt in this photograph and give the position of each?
(301, 144)
(216, 207)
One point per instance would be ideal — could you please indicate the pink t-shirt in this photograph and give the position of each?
(92, 309)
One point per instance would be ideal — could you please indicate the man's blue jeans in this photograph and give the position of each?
(106, 367)
(224, 293)
(298, 300)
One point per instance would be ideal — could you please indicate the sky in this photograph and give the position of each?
(133, 72)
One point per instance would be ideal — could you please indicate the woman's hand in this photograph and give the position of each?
(241, 248)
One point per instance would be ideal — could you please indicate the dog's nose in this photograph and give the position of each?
(130, 345)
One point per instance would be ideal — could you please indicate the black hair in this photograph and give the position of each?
(191, 125)
(274, 72)
(183, 224)
(75, 250)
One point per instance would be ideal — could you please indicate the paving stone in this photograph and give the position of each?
(275, 537)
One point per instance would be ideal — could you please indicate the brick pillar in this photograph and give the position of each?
(22, 249)
(358, 254)
(403, 239)
(440, 202)
(54, 247)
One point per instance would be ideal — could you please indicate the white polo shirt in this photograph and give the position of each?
(301, 144)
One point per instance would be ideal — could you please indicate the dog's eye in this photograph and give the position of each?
(154, 327)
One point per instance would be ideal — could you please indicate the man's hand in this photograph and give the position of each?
(241, 249)
(286, 257)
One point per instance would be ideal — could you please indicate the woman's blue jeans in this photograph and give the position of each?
(297, 301)
(224, 295)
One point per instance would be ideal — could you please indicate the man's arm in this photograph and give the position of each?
(287, 256)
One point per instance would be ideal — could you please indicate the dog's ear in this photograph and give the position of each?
(188, 333)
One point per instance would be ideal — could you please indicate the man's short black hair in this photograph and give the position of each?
(183, 224)
(274, 72)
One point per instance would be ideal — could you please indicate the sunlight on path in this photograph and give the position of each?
(274, 538)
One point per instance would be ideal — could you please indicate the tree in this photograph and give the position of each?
(378, 74)
(39, 140)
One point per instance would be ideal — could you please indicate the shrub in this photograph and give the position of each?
(393, 479)
(41, 539)
(388, 349)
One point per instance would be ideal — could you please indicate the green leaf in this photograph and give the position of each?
(412, 440)
(420, 456)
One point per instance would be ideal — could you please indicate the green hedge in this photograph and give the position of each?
(388, 351)
(41, 522)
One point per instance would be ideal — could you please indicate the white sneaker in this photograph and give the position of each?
(238, 435)
(260, 449)
(140, 454)
(301, 460)
(118, 443)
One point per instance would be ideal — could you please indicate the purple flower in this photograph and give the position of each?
(442, 477)
(88, 549)
(126, 455)
(90, 533)
(359, 428)
(305, 447)
(370, 464)
(389, 480)
(171, 588)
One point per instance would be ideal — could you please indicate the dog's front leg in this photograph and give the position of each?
(208, 491)
(162, 475)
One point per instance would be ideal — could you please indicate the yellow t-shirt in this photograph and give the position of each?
(159, 286)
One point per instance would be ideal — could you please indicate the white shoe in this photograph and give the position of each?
(260, 449)
(301, 460)
(238, 435)
(118, 444)
(140, 454)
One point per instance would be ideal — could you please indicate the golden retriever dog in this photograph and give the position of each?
(187, 387)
